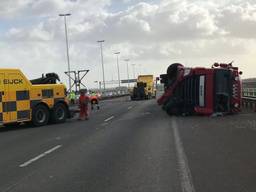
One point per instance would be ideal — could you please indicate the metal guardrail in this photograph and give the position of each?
(114, 93)
(113, 96)
(249, 103)
(249, 92)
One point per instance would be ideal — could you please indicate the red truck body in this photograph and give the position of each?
(202, 91)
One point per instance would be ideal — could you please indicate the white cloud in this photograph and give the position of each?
(239, 20)
(152, 34)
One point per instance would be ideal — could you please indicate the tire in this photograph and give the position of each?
(40, 115)
(59, 113)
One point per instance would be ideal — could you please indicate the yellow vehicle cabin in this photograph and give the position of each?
(38, 101)
(144, 88)
(148, 80)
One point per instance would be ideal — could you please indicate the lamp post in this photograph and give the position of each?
(118, 70)
(127, 67)
(139, 69)
(102, 63)
(98, 83)
(133, 68)
(67, 45)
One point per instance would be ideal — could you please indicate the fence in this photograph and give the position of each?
(114, 94)
(249, 103)
(249, 98)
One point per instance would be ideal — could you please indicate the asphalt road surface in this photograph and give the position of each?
(131, 146)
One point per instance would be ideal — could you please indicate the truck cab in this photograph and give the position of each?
(204, 91)
(144, 88)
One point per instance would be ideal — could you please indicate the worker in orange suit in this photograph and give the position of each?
(94, 100)
(83, 105)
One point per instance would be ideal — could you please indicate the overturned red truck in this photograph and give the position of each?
(203, 91)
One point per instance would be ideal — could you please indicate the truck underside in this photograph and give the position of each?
(201, 90)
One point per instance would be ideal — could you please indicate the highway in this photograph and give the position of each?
(131, 146)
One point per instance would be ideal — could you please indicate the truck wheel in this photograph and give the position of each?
(40, 115)
(59, 113)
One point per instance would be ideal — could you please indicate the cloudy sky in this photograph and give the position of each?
(151, 33)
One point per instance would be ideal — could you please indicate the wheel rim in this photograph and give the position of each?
(41, 116)
(60, 113)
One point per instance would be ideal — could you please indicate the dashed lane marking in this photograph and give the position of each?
(40, 156)
(129, 108)
(110, 118)
(103, 124)
(185, 173)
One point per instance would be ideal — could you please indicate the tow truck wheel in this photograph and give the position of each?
(40, 115)
(59, 113)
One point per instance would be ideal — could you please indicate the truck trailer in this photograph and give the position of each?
(38, 101)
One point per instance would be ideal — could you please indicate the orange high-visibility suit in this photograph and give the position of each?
(94, 98)
(83, 105)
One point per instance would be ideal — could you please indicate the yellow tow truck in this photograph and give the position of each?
(38, 101)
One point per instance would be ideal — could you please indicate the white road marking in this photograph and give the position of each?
(147, 113)
(40, 156)
(110, 118)
(129, 107)
(185, 173)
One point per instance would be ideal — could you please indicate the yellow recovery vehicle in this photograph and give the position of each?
(144, 88)
(38, 101)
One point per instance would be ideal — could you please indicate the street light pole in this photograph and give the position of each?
(100, 85)
(133, 67)
(67, 46)
(102, 63)
(139, 71)
(128, 76)
(118, 70)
